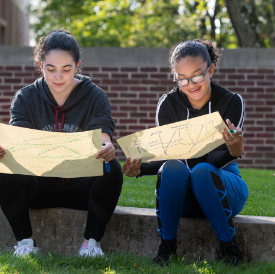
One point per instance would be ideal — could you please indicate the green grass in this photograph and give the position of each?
(261, 184)
(119, 263)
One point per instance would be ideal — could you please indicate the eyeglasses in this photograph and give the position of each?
(195, 80)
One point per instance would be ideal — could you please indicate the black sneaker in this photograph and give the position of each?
(166, 249)
(231, 253)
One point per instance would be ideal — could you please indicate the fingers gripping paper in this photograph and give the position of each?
(182, 140)
(50, 154)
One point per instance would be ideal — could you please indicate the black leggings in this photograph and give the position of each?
(98, 195)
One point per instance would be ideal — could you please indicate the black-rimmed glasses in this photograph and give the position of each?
(195, 80)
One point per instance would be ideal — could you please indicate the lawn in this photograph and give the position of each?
(261, 184)
(119, 263)
(140, 193)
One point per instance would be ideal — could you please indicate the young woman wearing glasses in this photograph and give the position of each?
(210, 185)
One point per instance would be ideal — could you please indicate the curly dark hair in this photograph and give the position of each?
(197, 47)
(56, 40)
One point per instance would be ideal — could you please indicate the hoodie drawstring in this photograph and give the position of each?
(57, 109)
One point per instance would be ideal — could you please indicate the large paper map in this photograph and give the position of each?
(182, 140)
(51, 154)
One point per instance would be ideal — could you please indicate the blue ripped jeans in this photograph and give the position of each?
(219, 194)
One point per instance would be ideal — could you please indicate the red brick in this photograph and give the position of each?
(265, 71)
(254, 142)
(153, 114)
(254, 155)
(255, 102)
(129, 82)
(128, 95)
(120, 127)
(97, 81)
(112, 94)
(4, 100)
(119, 88)
(264, 122)
(147, 95)
(164, 70)
(167, 82)
(270, 155)
(237, 89)
(246, 70)
(249, 109)
(9, 93)
(6, 107)
(111, 82)
(158, 75)
(270, 89)
(249, 122)
(113, 107)
(138, 88)
(254, 115)
(227, 70)
(4, 113)
(128, 108)
(147, 121)
(248, 96)
(270, 77)
(129, 69)
(263, 162)
(265, 96)
(262, 83)
(109, 69)
(270, 115)
(115, 101)
(147, 108)
(159, 88)
(123, 134)
(249, 135)
(218, 76)
(270, 129)
(140, 127)
(246, 83)
(227, 83)
(263, 109)
(13, 68)
(153, 102)
(270, 103)
(148, 69)
(270, 142)
(138, 102)
(261, 148)
(7, 74)
(254, 129)
(128, 121)
(138, 114)
(150, 82)
(255, 77)
(23, 74)
(139, 75)
(245, 161)
(11, 81)
(100, 75)
(119, 114)
(248, 148)
(90, 68)
(5, 120)
(264, 135)
(235, 76)
(17, 87)
(5, 87)
(29, 81)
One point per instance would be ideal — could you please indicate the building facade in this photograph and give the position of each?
(14, 23)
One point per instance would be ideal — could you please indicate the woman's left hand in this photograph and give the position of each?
(107, 153)
(233, 141)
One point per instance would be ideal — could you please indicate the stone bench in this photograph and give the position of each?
(134, 230)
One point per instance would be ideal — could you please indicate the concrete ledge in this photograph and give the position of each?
(142, 57)
(134, 229)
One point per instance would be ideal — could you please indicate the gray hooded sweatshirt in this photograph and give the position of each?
(87, 108)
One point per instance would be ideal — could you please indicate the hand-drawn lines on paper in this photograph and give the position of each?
(182, 140)
(35, 152)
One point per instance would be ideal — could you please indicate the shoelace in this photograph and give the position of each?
(21, 250)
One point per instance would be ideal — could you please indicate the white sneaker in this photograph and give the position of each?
(26, 246)
(92, 250)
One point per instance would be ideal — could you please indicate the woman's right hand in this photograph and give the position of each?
(131, 168)
(2, 152)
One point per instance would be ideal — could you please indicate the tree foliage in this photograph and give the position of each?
(158, 23)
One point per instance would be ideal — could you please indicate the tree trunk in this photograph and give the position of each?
(244, 18)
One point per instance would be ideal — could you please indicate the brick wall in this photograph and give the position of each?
(134, 92)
